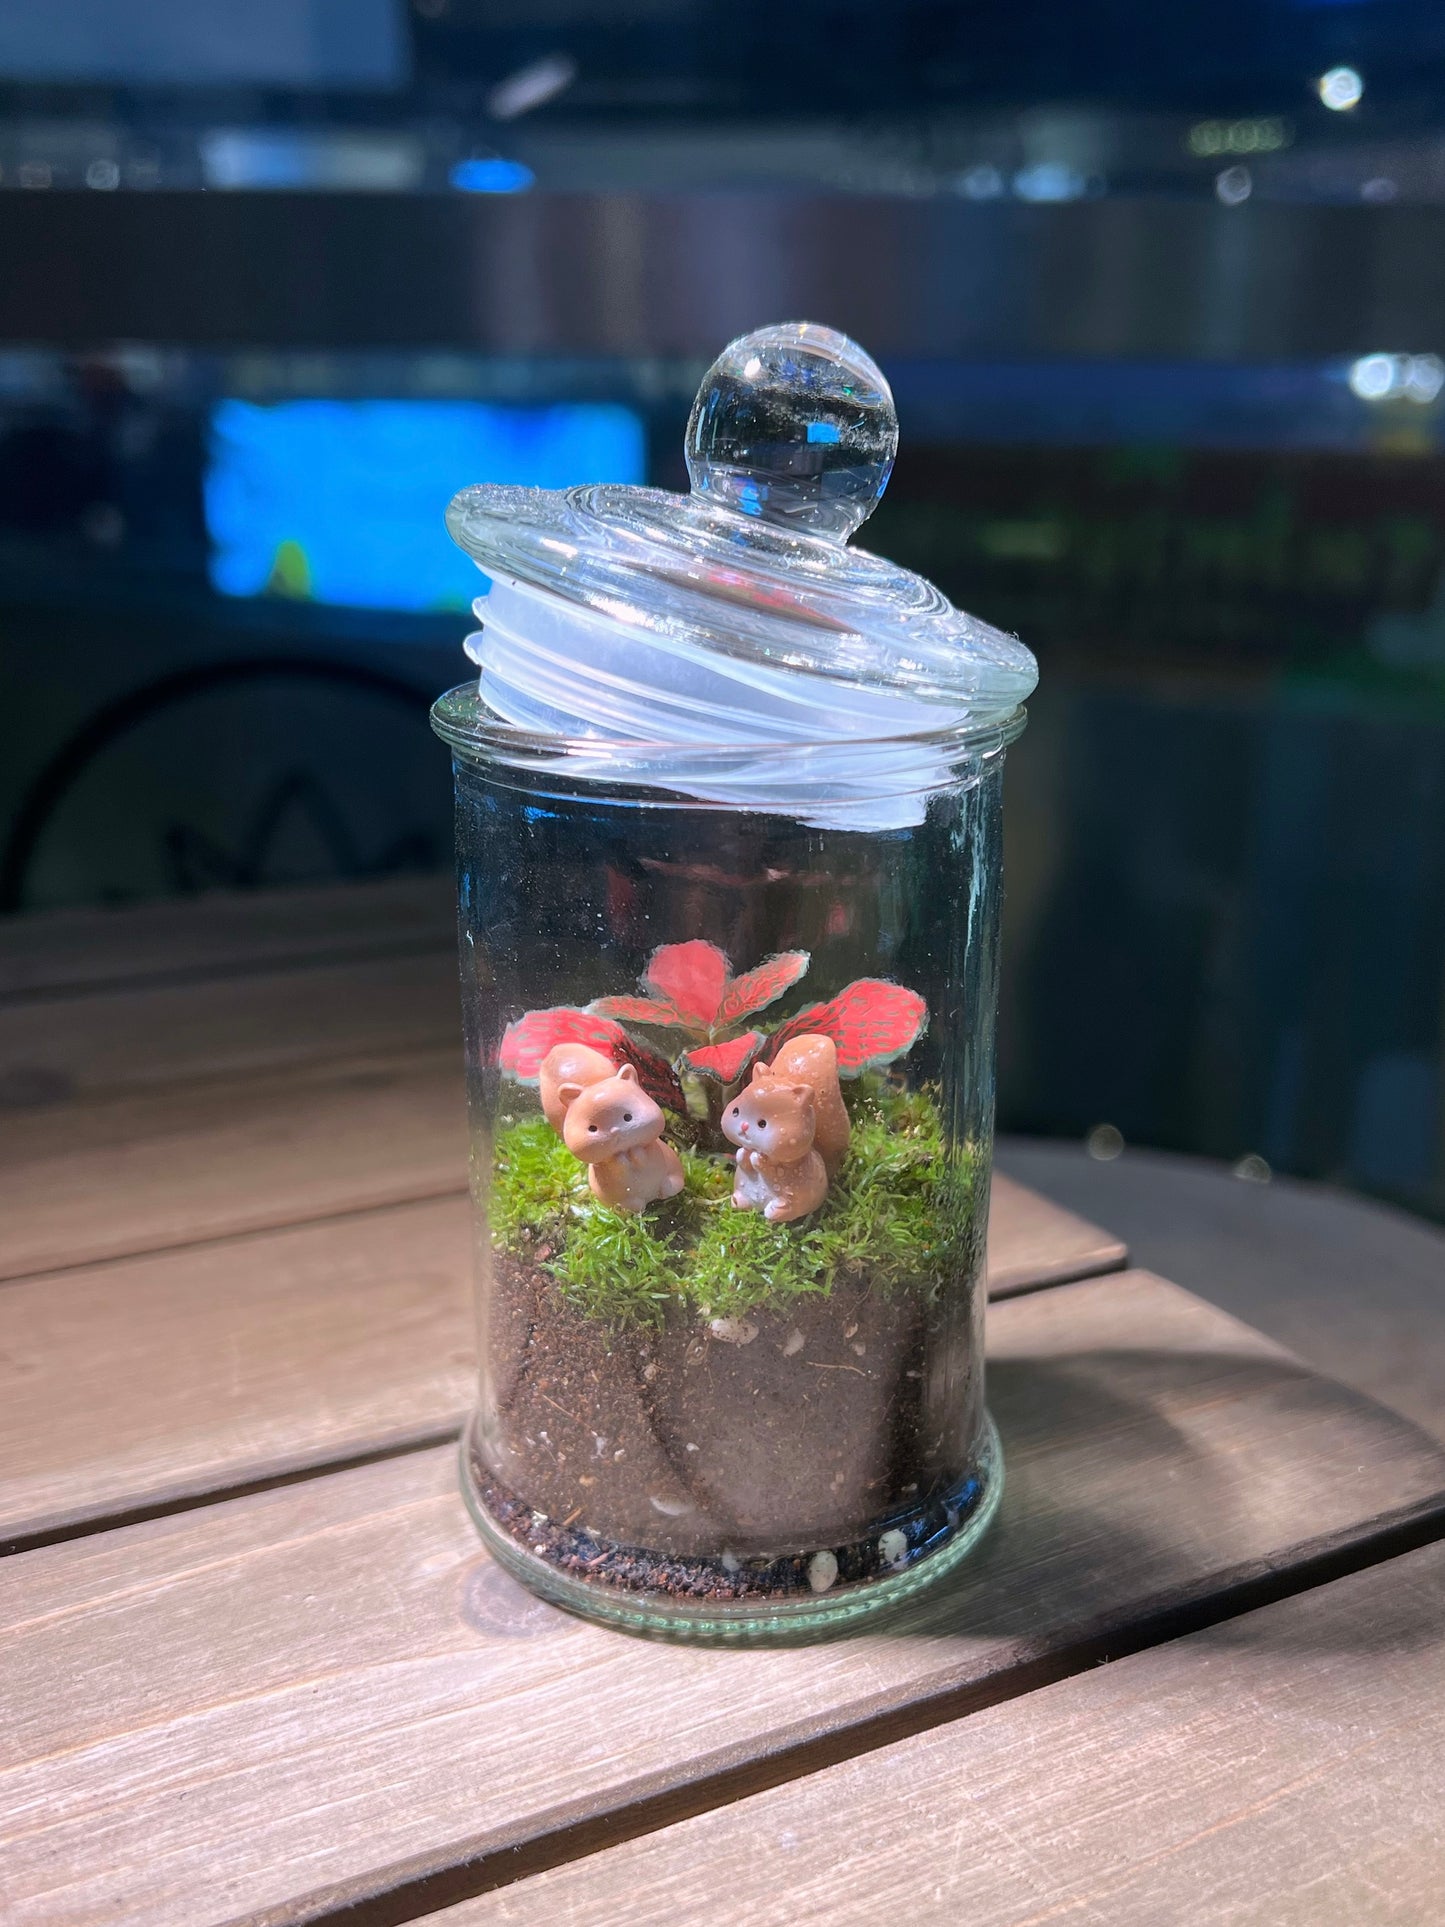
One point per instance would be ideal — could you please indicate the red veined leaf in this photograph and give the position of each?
(654, 1074)
(757, 988)
(870, 1021)
(691, 976)
(642, 1010)
(813, 1018)
(728, 1061)
(528, 1041)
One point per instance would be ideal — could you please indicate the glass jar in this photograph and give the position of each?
(728, 836)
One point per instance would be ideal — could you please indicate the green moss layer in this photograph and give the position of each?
(899, 1215)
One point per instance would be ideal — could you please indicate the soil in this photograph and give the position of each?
(713, 1459)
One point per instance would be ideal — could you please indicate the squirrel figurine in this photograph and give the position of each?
(612, 1125)
(791, 1128)
(813, 1060)
(574, 1065)
(778, 1171)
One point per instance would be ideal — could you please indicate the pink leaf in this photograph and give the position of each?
(691, 976)
(728, 1061)
(528, 1041)
(870, 1021)
(757, 988)
(641, 1010)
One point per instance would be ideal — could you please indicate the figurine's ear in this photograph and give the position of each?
(762, 1074)
(628, 1073)
(803, 1091)
(569, 1094)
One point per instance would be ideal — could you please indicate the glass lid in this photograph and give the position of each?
(739, 612)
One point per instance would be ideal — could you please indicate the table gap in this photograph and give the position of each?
(103, 1522)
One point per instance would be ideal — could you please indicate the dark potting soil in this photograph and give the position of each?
(578, 1552)
(712, 1459)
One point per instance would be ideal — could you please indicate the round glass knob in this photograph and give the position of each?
(794, 424)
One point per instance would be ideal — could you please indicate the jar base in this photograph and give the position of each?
(804, 1595)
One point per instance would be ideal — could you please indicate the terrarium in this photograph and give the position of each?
(728, 813)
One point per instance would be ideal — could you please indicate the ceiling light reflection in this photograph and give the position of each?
(1379, 377)
(1340, 89)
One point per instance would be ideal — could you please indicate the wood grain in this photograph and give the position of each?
(59, 952)
(1032, 1241)
(83, 1182)
(274, 1706)
(1355, 1286)
(155, 1378)
(147, 1034)
(1282, 1769)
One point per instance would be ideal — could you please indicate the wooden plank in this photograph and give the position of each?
(1032, 1241)
(55, 952)
(143, 1172)
(1355, 1286)
(124, 1039)
(155, 1378)
(268, 1708)
(1282, 1767)
(146, 1170)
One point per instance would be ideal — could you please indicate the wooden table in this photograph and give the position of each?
(255, 1665)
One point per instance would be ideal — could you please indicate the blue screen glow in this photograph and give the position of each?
(494, 176)
(342, 501)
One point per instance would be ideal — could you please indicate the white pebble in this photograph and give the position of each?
(822, 1571)
(794, 1344)
(861, 1350)
(692, 1448)
(733, 1331)
(730, 1562)
(669, 1508)
(892, 1547)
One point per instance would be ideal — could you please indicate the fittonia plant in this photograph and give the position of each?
(691, 1001)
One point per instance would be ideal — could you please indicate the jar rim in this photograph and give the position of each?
(464, 722)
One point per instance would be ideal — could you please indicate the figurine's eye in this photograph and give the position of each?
(627, 1117)
(762, 1124)
(593, 1129)
(735, 1110)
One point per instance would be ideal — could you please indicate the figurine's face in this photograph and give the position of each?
(776, 1119)
(611, 1116)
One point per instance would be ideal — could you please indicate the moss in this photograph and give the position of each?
(619, 1265)
(899, 1215)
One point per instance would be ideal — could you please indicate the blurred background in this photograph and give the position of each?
(1161, 292)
